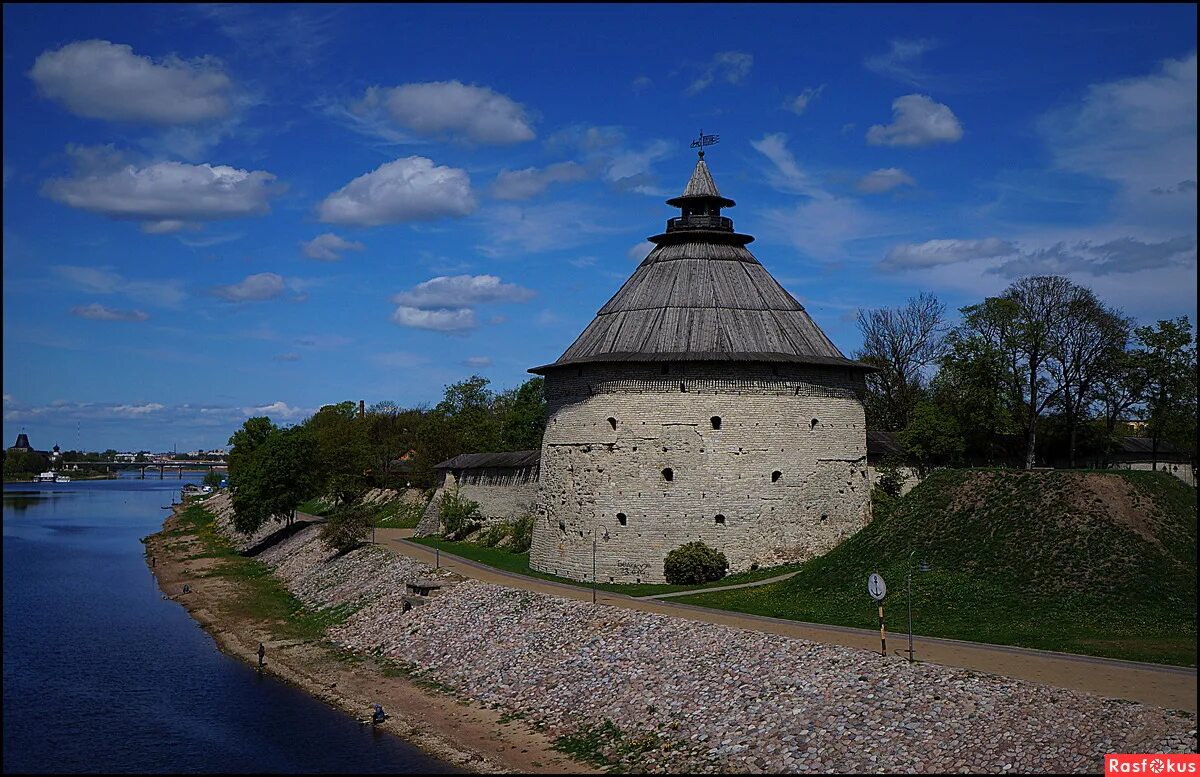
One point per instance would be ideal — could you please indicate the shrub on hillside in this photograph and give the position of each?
(522, 534)
(694, 563)
(889, 478)
(459, 515)
(346, 528)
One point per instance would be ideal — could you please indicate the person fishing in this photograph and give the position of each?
(379, 716)
(262, 653)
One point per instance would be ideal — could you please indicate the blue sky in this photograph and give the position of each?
(217, 211)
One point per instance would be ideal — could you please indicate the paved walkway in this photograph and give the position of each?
(1163, 686)
(768, 581)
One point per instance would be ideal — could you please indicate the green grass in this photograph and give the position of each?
(262, 597)
(604, 745)
(1041, 560)
(502, 559)
(316, 507)
(398, 515)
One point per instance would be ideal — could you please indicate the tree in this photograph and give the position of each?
(932, 438)
(524, 423)
(1167, 365)
(275, 479)
(347, 527)
(901, 343)
(973, 387)
(342, 458)
(23, 463)
(1092, 338)
(1027, 324)
(246, 441)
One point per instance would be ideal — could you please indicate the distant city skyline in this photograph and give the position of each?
(218, 211)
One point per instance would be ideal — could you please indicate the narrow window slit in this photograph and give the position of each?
(716, 422)
(668, 474)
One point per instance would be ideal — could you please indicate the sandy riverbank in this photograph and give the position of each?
(467, 735)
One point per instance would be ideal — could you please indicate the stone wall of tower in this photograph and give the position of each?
(783, 478)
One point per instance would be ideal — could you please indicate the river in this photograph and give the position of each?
(101, 674)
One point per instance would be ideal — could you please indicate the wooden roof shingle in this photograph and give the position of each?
(700, 295)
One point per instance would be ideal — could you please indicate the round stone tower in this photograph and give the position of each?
(702, 403)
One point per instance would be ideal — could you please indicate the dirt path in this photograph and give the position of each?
(1162, 686)
(466, 735)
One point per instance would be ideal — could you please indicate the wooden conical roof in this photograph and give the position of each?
(700, 295)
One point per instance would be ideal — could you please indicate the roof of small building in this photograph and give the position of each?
(700, 295)
(22, 441)
(513, 459)
(1145, 446)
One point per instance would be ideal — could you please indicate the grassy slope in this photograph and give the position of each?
(519, 563)
(1045, 559)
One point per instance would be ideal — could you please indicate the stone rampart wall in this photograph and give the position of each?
(767, 468)
(503, 493)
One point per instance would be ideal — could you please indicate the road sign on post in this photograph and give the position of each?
(878, 589)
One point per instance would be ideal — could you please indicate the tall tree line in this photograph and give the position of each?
(338, 452)
(1044, 355)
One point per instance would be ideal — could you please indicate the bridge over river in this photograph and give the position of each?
(179, 465)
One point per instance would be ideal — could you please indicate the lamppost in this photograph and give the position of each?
(923, 568)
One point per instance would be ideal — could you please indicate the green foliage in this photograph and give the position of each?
(246, 441)
(347, 527)
(1167, 366)
(605, 745)
(274, 479)
(694, 562)
(459, 515)
(493, 535)
(889, 477)
(931, 438)
(399, 515)
(525, 419)
(341, 453)
(212, 478)
(522, 534)
(23, 463)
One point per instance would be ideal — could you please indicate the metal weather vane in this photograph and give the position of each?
(705, 140)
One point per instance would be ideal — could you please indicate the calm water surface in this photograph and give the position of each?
(103, 675)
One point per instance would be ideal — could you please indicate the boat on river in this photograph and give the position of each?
(45, 477)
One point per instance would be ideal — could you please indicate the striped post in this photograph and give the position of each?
(882, 634)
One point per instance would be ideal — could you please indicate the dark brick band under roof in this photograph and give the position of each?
(700, 295)
(513, 459)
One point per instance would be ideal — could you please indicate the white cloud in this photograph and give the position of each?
(164, 227)
(543, 227)
(821, 227)
(799, 103)
(629, 169)
(640, 250)
(1140, 133)
(136, 410)
(408, 189)
(642, 82)
(449, 320)
(884, 180)
(462, 291)
(278, 409)
(165, 194)
(728, 66)
(260, 286)
(916, 121)
(607, 149)
(446, 303)
(901, 61)
(450, 108)
(529, 182)
(1123, 255)
(328, 247)
(101, 280)
(786, 175)
(941, 252)
(98, 312)
(103, 80)
(286, 357)
(478, 361)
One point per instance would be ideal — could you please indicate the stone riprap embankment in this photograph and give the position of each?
(220, 505)
(320, 578)
(703, 697)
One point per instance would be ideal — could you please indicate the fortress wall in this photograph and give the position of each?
(592, 473)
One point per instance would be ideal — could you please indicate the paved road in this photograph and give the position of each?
(1163, 686)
